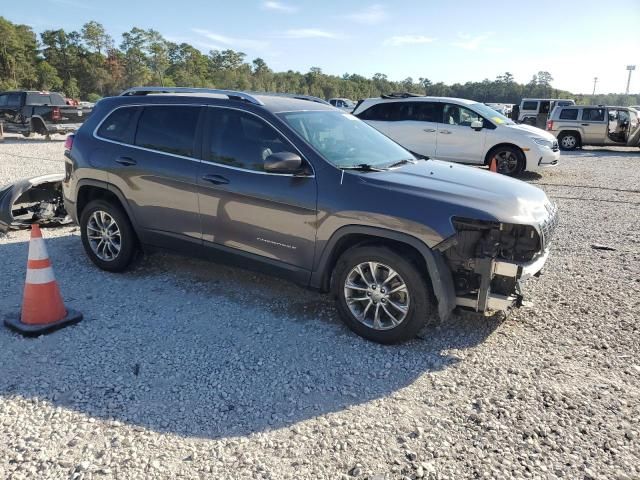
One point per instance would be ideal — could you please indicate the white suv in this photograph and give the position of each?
(459, 130)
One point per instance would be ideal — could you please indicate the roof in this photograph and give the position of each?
(419, 98)
(274, 102)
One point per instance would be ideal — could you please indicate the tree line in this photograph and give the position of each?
(88, 65)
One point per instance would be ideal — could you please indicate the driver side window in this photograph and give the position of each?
(241, 140)
(458, 115)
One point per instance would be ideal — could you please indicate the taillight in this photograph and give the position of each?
(55, 114)
(549, 124)
(68, 143)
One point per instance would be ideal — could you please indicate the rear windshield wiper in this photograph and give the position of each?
(364, 167)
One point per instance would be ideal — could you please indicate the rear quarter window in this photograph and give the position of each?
(529, 106)
(569, 114)
(119, 126)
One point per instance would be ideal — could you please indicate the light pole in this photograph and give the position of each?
(630, 68)
(595, 81)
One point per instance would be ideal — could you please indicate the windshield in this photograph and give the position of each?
(345, 141)
(490, 114)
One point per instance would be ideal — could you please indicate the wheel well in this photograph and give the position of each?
(487, 158)
(37, 126)
(354, 239)
(87, 193)
(575, 132)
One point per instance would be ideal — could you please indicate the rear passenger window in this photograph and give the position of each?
(569, 114)
(388, 111)
(426, 112)
(3, 100)
(530, 106)
(118, 125)
(593, 114)
(241, 140)
(13, 100)
(170, 129)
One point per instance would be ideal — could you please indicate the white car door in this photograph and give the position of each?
(406, 123)
(456, 140)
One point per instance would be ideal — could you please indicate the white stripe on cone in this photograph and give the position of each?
(39, 276)
(37, 249)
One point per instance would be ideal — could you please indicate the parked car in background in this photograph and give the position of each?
(459, 130)
(299, 189)
(29, 112)
(500, 108)
(575, 126)
(535, 111)
(343, 104)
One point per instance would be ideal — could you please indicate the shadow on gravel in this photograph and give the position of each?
(529, 176)
(197, 349)
(605, 152)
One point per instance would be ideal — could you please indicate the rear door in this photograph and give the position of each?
(11, 111)
(457, 141)
(594, 125)
(245, 208)
(155, 165)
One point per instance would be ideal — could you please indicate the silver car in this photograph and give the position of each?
(575, 126)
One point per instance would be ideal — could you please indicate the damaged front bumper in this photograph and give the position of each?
(33, 200)
(488, 269)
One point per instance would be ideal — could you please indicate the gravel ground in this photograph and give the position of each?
(186, 369)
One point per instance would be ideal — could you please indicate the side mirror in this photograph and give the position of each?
(477, 125)
(283, 162)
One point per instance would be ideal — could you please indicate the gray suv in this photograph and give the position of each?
(305, 191)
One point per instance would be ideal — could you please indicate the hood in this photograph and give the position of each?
(530, 130)
(498, 197)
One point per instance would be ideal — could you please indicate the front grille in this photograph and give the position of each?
(548, 227)
(555, 147)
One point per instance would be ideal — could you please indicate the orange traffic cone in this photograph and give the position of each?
(493, 166)
(42, 308)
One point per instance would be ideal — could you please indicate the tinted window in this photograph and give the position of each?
(530, 106)
(241, 140)
(569, 114)
(593, 114)
(387, 111)
(118, 125)
(35, 98)
(457, 115)
(425, 112)
(13, 100)
(170, 129)
(3, 100)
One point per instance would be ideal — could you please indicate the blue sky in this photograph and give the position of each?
(441, 40)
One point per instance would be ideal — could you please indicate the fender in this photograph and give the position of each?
(439, 273)
(112, 189)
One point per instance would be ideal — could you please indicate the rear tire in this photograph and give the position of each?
(405, 297)
(568, 140)
(107, 236)
(27, 134)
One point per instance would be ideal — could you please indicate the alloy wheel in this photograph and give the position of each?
(568, 141)
(376, 295)
(507, 162)
(104, 236)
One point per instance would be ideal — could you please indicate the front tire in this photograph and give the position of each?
(107, 236)
(381, 295)
(510, 161)
(568, 141)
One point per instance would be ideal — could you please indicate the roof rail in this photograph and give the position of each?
(309, 98)
(231, 94)
(400, 95)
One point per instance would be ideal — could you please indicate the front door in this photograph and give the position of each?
(594, 126)
(457, 141)
(243, 207)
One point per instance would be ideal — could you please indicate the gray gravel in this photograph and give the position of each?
(186, 369)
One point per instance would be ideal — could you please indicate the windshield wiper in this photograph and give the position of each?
(404, 161)
(364, 167)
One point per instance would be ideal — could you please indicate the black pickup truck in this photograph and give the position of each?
(29, 112)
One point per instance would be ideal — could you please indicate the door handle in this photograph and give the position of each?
(126, 161)
(429, 130)
(446, 132)
(215, 179)
(584, 124)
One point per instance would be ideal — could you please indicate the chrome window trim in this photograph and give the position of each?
(193, 159)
